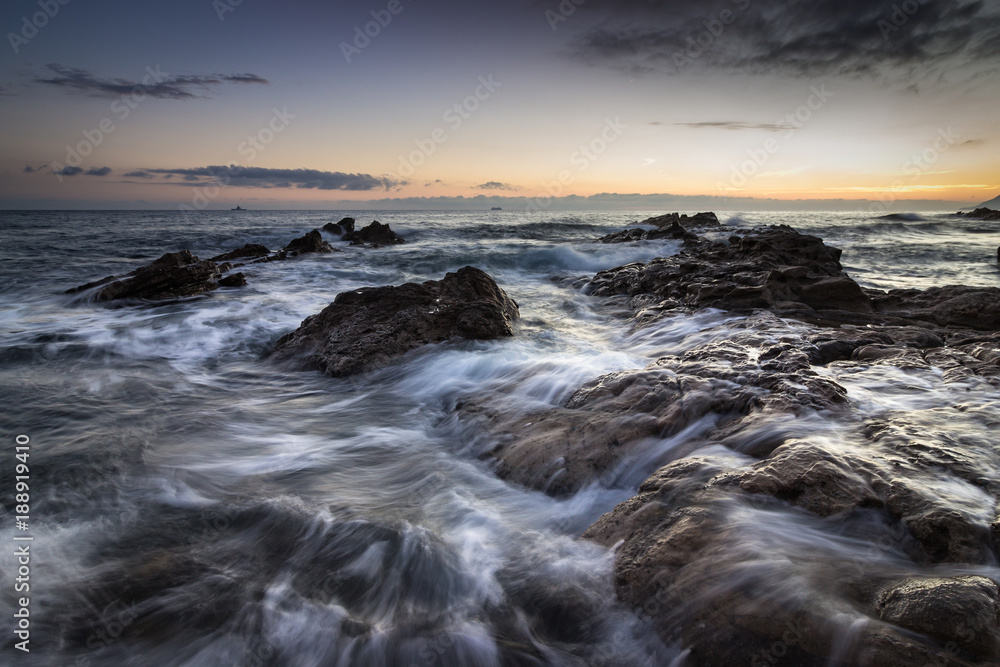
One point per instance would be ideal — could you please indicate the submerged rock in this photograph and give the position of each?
(174, 275)
(369, 327)
(717, 389)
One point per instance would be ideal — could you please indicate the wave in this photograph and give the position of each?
(905, 217)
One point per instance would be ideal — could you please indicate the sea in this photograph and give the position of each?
(192, 502)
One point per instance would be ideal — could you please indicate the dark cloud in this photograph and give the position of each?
(28, 169)
(99, 171)
(260, 177)
(736, 125)
(858, 38)
(496, 185)
(69, 171)
(155, 83)
(138, 174)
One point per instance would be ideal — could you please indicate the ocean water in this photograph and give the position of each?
(194, 503)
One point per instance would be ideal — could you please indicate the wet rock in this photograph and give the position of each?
(345, 226)
(793, 275)
(964, 611)
(951, 306)
(676, 231)
(374, 235)
(249, 251)
(669, 226)
(174, 275)
(311, 242)
(370, 327)
(696, 221)
(983, 214)
(233, 280)
(712, 389)
(778, 269)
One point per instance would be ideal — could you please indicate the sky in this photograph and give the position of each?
(530, 103)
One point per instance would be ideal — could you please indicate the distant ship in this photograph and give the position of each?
(496, 208)
(237, 208)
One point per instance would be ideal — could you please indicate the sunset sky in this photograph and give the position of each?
(292, 105)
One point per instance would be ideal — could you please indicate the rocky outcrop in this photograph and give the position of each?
(736, 583)
(713, 390)
(370, 327)
(311, 242)
(374, 235)
(793, 275)
(249, 251)
(345, 226)
(174, 275)
(669, 226)
(982, 214)
(777, 269)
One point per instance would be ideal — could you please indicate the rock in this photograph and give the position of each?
(778, 269)
(370, 327)
(950, 306)
(791, 274)
(669, 226)
(676, 231)
(961, 610)
(174, 275)
(345, 226)
(696, 221)
(233, 280)
(250, 250)
(311, 242)
(374, 235)
(715, 388)
(983, 214)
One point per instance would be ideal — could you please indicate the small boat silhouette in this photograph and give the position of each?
(237, 208)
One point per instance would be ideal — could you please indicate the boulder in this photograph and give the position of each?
(174, 275)
(345, 226)
(963, 611)
(374, 235)
(367, 328)
(311, 242)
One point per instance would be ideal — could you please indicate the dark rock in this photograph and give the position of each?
(370, 327)
(345, 226)
(675, 231)
(174, 275)
(311, 242)
(793, 275)
(250, 250)
(374, 235)
(778, 269)
(962, 610)
(983, 214)
(951, 306)
(233, 280)
(696, 221)
(669, 226)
